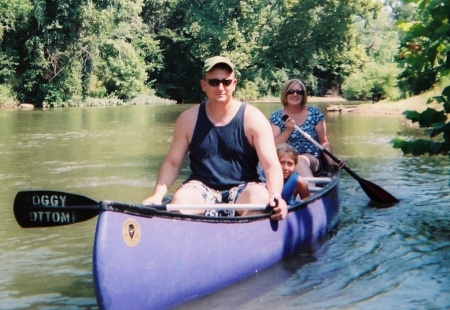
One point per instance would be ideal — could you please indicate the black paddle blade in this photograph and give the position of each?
(44, 208)
(376, 193)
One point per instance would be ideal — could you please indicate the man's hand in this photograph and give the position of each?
(279, 207)
(152, 200)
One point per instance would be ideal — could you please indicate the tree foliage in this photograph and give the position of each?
(14, 14)
(233, 28)
(426, 54)
(57, 51)
(375, 82)
(317, 41)
(62, 45)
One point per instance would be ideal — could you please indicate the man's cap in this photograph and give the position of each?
(214, 61)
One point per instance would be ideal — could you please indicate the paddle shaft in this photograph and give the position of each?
(323, 149)
(372, 190)
(43, 208)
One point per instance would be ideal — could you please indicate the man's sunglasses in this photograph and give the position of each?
(216, 82)
(295, 91)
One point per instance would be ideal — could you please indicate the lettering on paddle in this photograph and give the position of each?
(50, 216)
(46, 200)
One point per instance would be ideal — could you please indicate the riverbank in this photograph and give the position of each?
(310, 99)
(384, 107)
(414, 103)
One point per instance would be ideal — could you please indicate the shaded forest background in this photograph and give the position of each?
(65, 51)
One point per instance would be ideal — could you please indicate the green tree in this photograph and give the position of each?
(62, 46)
(166, 20)
(47, 72)
(119, 50)
(375, 82)
(14, 14)
(198, 29)
(427, 49)
(377, 78)
(419, 71)
(316, 41)
(57, 51)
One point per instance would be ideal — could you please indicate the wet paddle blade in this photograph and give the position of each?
(372, 190)
(45, 208)
(376, 193)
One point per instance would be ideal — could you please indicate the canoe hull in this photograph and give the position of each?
(158, 262)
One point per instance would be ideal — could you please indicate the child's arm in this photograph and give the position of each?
(302, 189)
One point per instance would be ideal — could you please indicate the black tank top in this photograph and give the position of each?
(221, 156)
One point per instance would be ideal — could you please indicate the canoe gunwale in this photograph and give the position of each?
(148, 212)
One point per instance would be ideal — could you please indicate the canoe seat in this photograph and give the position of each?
(317, 180)
(314, 189)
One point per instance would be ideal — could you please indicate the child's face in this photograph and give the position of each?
(287, 164)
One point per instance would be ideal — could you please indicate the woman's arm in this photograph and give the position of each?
(322, 138)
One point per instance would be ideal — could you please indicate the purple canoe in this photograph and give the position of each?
(152, 259)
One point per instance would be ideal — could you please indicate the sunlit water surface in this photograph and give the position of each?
(396, 257)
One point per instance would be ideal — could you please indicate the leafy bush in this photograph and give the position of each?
(150, 100)
(376, 82)
(6, 96)
(143, 99)
(431, 53)
(97, 88)
(356, 87)
(121, 69)
(249, 91)
(97, 102)
(7, 68)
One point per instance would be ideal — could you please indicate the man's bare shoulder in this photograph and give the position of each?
(254, 115)
(256, 123)
(189, 115)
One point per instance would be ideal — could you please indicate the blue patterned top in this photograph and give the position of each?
(296, 139)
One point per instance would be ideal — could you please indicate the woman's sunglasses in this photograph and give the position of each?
(216, 82)
(295, 91)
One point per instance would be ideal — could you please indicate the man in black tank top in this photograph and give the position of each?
(225, 139)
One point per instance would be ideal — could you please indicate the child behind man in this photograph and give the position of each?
(294, 184)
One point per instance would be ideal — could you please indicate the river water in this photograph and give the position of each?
(397, 257)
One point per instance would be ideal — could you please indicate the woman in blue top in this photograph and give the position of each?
(310, 119)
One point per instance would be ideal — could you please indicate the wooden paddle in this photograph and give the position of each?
(45, 208)
(372, 190)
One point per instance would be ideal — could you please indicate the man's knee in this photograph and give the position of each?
(254, 192)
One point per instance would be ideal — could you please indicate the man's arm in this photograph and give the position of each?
(263, 141)
(174, 158)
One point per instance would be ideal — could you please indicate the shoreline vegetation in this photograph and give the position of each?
(383, 107)
(340, 104)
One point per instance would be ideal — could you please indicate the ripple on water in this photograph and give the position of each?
(397, 256)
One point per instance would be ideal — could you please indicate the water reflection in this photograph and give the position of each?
(395, 257)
